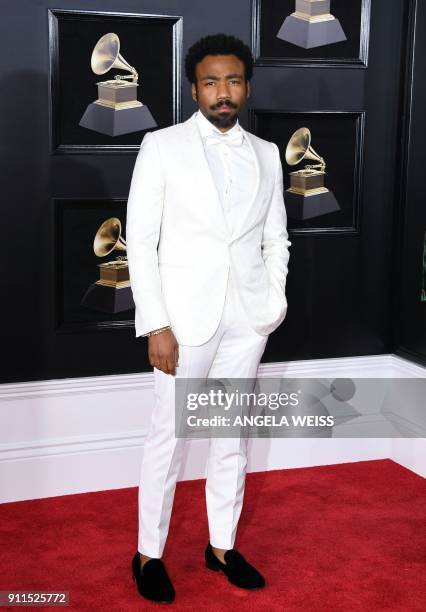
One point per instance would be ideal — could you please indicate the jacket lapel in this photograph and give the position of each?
(209, 197)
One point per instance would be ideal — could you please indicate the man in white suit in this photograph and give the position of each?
(208, 255)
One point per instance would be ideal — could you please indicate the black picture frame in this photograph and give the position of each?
(270, 51)
(338, 136)
(76, 221)
(72, 84)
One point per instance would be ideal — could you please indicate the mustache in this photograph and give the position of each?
(221, 103)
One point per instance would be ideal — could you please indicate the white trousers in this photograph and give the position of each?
(234, 351)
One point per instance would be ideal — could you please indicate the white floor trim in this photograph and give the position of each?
(86, 434)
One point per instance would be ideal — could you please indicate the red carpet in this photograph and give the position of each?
(344, 537)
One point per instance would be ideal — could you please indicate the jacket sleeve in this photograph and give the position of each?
(144, 213)
(275, 243)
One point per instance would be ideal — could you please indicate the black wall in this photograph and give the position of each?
(341, 288)
(410, 312)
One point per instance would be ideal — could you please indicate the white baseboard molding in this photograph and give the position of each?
(77, 435)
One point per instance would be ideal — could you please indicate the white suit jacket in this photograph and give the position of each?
(180, 248)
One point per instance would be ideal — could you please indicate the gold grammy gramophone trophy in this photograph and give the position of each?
(307, 197)
(311, 25)
(112, 292)
(117, 110)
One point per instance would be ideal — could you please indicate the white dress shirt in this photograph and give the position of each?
(231, 163)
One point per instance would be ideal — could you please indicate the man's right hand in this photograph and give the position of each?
(163, 351)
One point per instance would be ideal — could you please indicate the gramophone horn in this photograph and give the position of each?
(106, 55)
(108, 238)
(299, 147)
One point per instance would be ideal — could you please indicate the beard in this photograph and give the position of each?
(224, 120)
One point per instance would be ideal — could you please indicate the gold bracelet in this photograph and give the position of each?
(157, 331)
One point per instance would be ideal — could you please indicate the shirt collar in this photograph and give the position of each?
(206, 127)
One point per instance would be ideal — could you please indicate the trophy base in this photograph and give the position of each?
(108, 299)
(304, 206)
(310, 34)
(112, 122)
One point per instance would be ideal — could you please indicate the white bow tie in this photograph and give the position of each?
(234, 140)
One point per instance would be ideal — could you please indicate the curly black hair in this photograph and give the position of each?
(218, 44)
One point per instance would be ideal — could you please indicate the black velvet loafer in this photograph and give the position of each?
(236, 568)
(153, 581)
